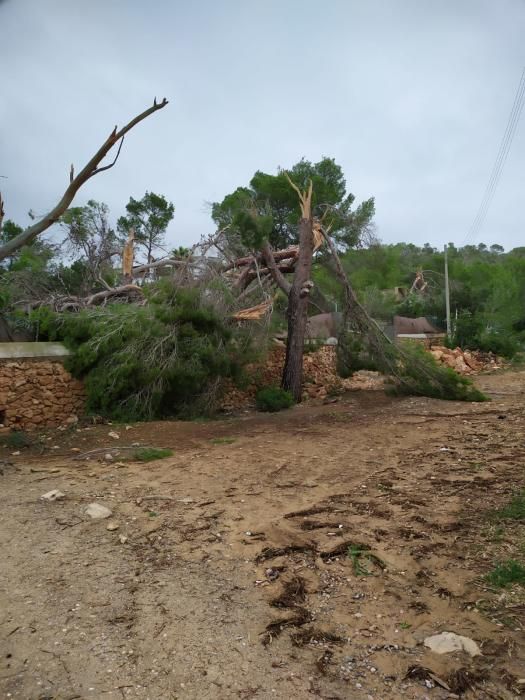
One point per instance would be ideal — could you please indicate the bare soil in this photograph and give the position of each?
(303, 554)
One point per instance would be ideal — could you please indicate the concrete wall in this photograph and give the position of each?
(37, 392)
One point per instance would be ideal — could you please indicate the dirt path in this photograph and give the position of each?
(251, 522)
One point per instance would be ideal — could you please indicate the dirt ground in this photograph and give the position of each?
(298, 555)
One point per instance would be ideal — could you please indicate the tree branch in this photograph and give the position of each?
(88, 171)
(277, 275)
(162, 263)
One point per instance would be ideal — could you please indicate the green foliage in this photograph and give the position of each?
(352, 355)
(487, 289)
(149, 217)
(271, 197)
(506, 573)
(223, 441)
(163, 359)
(149, 454)
(273, 399)
(18, 440)
(420, 374)
(471, 333)
(515, 510)
(357, 552)
(32, 258)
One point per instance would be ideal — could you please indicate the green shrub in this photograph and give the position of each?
(514, 510)
(18, 439)
(166, 358)
(502, 343)
(471, 333)
(149, 454)
(273, 399)
(506, 573)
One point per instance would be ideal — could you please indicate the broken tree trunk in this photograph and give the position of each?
(298, 298)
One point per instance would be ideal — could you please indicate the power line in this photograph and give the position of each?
(501, 158)
(500, 161)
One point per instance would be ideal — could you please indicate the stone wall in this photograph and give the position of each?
(38, 393)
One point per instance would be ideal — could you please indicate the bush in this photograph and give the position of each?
(166, 358)
(273, 399)
(500, 343)
(471, 333)
(18, 439)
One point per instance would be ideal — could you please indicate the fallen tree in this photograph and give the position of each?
(166, 358)
(410, 368)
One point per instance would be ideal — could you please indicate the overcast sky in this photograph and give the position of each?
(411, 97)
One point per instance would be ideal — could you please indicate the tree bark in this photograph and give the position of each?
(297, 315)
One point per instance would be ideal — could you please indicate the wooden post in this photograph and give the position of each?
(447, 297)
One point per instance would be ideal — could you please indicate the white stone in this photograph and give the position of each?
(447, 642)
(97, 511)
(54, 495)
(112, 525)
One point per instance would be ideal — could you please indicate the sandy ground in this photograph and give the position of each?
(234, 579)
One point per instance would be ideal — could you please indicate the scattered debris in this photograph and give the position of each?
(272, 552)
(420, 673)
(321, 380)
(315, 636)
(98, 511)
(293, 593)
(123, 539)
(466, 361)
(114, 435)
(300, 617)
(447, 642)
(54, 495)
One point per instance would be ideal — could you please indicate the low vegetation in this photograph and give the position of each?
(514, 510)
(150, 454)
(272, 399)
(506, 574)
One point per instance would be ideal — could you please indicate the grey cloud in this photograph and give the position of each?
(411, 98)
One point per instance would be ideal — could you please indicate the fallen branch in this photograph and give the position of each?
(290, 252)
(91, 169)
(114, 448)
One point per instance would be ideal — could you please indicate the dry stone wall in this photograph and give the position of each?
(38, 393)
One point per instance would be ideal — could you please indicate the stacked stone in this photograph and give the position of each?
(38, 393)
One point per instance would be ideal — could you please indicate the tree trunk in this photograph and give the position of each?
(298, 299)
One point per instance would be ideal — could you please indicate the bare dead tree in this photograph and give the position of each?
(91, 169)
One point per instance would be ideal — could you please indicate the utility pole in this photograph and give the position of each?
(447, 296)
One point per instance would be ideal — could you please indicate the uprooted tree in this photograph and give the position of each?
(92, 168)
